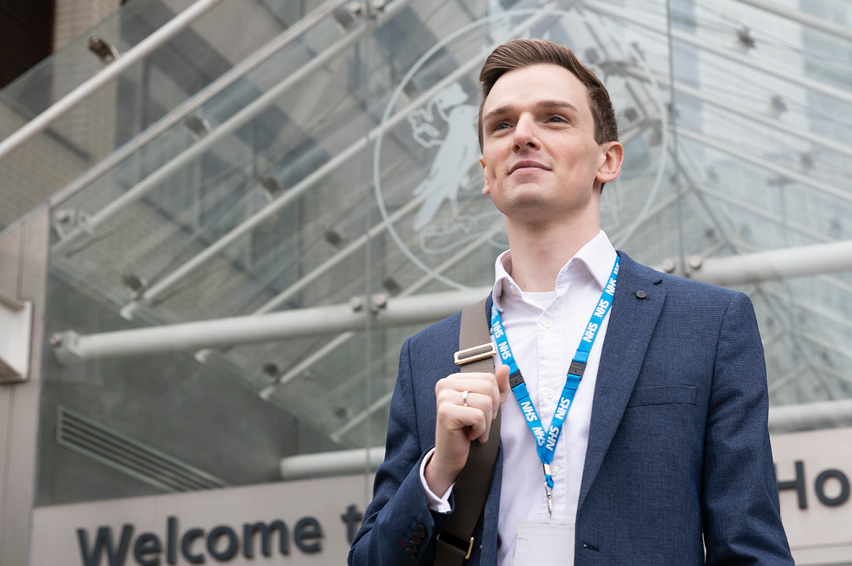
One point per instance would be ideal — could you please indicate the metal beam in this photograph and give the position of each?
(339, 463)
(72, 347)
(805, 19)
(341, 339)
(810, 416)
(766, 164)
(107, 75)
(755, 116)
(773, 265)
(763, 213)
(91, 223)
(199, 99)
(784, 73)
(338, 257)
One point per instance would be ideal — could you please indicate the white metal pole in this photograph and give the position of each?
(773, 265)
(339, 463)
(807, 416)
(72, 347)
(107, 75)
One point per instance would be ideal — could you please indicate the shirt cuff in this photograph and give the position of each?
(437, 504)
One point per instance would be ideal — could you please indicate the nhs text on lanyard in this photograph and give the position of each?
(546, 442)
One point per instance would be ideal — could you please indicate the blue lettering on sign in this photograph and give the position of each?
(610, 287)
(504, 351)
(529, 411)
(601, 308)
(149, 549)
(589, 336)
(552, 437)
(539, 435)
(562, 410)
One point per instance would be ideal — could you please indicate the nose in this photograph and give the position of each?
(525, 136)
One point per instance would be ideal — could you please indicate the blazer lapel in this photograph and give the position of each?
(631, 324)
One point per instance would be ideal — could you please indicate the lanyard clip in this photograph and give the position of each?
(548, 490)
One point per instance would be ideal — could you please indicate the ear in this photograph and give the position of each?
(486, 190)
(612, 155)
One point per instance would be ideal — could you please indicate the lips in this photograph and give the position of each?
(528, 164)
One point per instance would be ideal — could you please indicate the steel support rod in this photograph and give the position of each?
(93, 222)
(766, 164)
(338, 463)
(784, 73)
(341, 339)
(251, 329)
(107, 75)
(199, 99)
(814, 22)
(338, 257)
(773, 265)
(753, 115)
(808, 416)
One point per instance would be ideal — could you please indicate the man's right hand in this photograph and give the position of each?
(457, 425)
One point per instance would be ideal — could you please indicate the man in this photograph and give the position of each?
(664, 455)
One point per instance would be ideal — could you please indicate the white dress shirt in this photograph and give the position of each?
(544, 330)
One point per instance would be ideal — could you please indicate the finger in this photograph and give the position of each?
(471, 421)
(482, 383)
(502, 377)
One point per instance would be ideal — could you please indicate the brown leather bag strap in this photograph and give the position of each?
(476, 354)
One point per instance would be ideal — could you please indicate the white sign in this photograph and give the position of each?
(287, 523)
(814, 470)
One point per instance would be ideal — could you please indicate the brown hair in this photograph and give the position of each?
(522, 53)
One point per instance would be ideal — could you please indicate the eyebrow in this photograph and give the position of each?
(543, 104)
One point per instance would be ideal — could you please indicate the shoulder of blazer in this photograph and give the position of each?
(675, 283)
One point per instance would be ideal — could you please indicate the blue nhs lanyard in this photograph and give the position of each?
(546, 442)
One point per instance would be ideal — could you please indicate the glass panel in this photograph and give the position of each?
(344, 164)
(185, 65)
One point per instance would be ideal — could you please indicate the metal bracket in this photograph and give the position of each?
(16, 328)
(66, 347)
(65, 220)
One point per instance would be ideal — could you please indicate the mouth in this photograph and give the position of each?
(527, 166)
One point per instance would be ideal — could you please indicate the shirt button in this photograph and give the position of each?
(547, 323)
(549, 393)
(554, 470)
(512, 289)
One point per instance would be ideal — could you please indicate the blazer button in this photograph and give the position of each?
(416, 538)
(641, 294)
(421, 530)
(410, 553)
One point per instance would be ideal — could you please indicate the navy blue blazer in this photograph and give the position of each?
(678, 447)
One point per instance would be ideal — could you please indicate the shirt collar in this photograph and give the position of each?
(595, 258)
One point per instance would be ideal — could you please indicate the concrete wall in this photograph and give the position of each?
(23, 274)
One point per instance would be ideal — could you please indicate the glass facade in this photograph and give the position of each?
(302, 168)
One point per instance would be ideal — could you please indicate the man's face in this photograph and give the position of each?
(539, 154)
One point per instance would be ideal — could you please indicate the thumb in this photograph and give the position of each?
(502, 376)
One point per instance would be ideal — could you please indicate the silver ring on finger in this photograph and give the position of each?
(464, 398)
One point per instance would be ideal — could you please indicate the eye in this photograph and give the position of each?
(557, 119)
(500, 126)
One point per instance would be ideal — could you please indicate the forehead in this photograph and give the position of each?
(541, 82)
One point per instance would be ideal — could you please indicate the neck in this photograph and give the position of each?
(540, 252)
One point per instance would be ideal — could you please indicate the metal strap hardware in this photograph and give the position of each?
(457, 542)
(474, 354)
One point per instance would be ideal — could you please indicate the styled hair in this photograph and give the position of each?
(522, 53)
